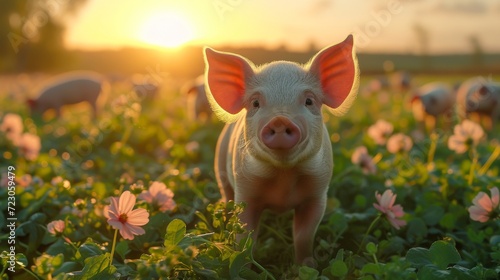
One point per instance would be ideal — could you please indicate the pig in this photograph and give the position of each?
(432, 100)
(146, 91)
(400, 81)
(69, 88)
(275, 151)
(479, 96)
(198, 106)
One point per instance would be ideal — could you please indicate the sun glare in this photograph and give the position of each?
(167, 29)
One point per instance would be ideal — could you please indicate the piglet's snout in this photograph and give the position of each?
(280, 133)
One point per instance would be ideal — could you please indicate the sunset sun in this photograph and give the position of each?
(167, 29)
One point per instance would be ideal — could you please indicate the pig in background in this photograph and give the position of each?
(399, 81)
(197, 102)
(70, 88)
(479, 99)
(431, 102)
(144, 89)
(275, 151)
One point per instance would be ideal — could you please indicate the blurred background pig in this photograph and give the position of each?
(70, 88)
(431, 101)
(198, 105)
(278, 154)
(400, 81)
(479, 99)
(145, 89)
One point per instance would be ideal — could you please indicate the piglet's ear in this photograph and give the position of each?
(337, 69)
(225, 76)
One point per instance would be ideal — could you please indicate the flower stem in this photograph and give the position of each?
(69, 242)
(490, 160)
(472, 167)
(126, 135)
(432, 148)
(368, 232)
(31, 273)
(113, 248)
(254, 262)
(375, 259)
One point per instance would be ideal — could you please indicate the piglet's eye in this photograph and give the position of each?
(256, 103)
(309, 102)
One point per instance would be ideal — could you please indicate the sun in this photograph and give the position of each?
(167, 29)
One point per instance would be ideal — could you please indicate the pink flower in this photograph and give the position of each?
(12, 127)
(159, 196)
(465, 135)
(56, 227)
(29, 146)
(399, 143)
(391, 211)
(4, 181)
(380, 131)
(56, 180)
(24, 180)
(121, 216)
(192, 147)
(484, 207)
(364, 160)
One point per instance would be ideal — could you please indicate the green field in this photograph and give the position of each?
(136, 142)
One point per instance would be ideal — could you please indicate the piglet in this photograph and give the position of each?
(275, 151)
(146, 91)
(198, 106)
(431, 101)
(400, 81)
(479, 96)
(69, 88)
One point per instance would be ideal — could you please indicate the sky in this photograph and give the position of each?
(404, 26)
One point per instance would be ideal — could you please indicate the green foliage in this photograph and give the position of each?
(83, 162)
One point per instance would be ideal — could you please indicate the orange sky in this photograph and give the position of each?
(386, 26)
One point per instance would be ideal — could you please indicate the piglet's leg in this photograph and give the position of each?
(250, 218)
(308, 215)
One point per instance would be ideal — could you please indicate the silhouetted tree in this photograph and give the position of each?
(32, 33)
(477, 51)
(422, 35)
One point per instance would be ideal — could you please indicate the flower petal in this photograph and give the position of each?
(138, 217)
(396, 223)
(484, 201)
(146, 196)
(169, 205)
(135, 230)
(126, 233)
(388, 199)
(112, 211)
(495, 197)
(126, 203)
(478, 214)
(115, 224)
(379, 208)
(398, 210)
